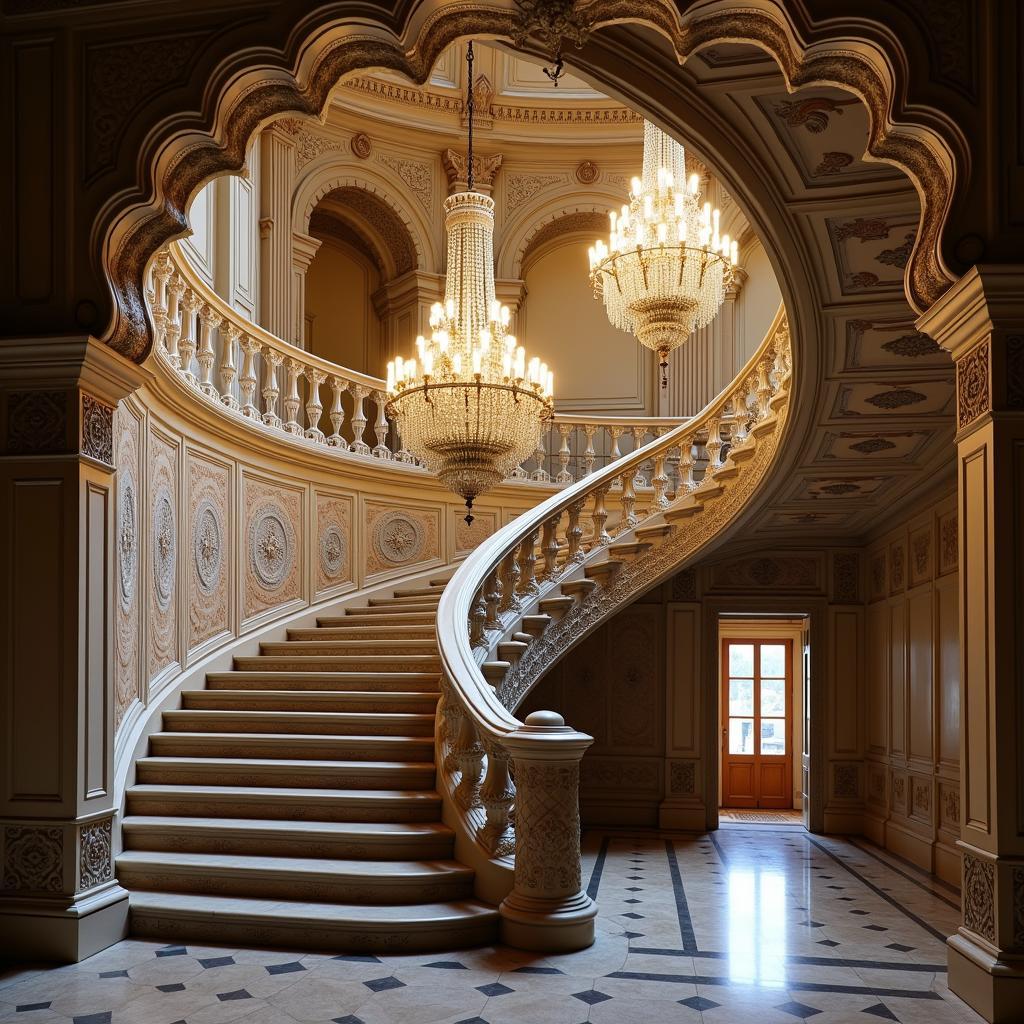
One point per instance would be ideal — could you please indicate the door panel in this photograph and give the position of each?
(805, 731)
(757, 755)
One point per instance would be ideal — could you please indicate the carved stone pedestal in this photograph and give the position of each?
(980, 320)
(547, 909)
(58, 895)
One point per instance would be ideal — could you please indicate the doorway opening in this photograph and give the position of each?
(764, 719)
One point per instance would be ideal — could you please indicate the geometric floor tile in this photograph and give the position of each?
(383, 984)
(591, 997)
(798, 1009)
(900, 948)
(880, 1010)
(494, 989)
(289, 968)
(239, 993)
(699, 1003)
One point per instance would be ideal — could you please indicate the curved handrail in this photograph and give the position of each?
(489, 594)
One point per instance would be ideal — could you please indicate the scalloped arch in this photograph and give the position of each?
(183, 151)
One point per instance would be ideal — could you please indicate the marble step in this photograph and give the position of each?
(286, 803)
(327, 645)
(297, 701)
(432, 591)
(365, 882)
(306, 774)
(307, 723)
(340, 663)
(285, 838)
(420, 607)
(406, 618)
(424, 927)
(270, 746)
(348, 631)
(325, 681)
(398, 603)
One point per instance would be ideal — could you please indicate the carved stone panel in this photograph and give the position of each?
(95, 861)
(878, 576)
(846, 781)
(948, 545)
(897, 567)
(782, 572)
(334, 548)
(97, 439)
(37, 421)
(950, 806)
(899, 793)
(973, 388)
(33, 859)
(979, 896)
(846, 577)
(209, 549)
(682, 778)
(272, 545)
(921, 799)
(921, 555)
(127, 541)
(636, 686)
(400, 536)
(469, 537)
(876, 785)
(163, 548)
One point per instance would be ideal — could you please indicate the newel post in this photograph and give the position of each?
(547, 909)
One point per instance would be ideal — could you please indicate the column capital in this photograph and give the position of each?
(304, 248)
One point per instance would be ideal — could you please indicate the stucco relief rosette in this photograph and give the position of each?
(163, 547)
(208, 545)
(127, 539)
(333, 552)
(398, 538)
(271, 545)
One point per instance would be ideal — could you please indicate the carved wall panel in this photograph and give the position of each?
(33, 859)
(127, 545)
(334, 552)
(948, 543)
(921, 555)
(398, 537)
(468, 537)
(783, 572)
(636, 684)
(162, 544)
(272, 545)
(846, 781)
(208, 553)
(95, 853)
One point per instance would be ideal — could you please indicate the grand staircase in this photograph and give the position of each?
(292, 801)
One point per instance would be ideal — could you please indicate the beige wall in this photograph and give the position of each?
(913, 691)
(341, 323)
(757, 302)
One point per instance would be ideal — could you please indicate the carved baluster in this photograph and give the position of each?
(600, 517)
(359, 446)
(229, 335)
(660, 480)
(208, 320)
(527, 563)
(639, 480)
(628, 501)
(162, 271)
(497, 795)
(469, 757)
(686, 481)
(614, 455)
(764, 390)
(741, 426)
(292, 400)
(272, 360)
(176, 290)
(452, 716)
(248, 380)
(314, 407)
(588, 456)
(492, 599)
(574, 532)
(564, 476)
(550, 547)
(540, 474)
(337, 415)
(713, 445)
(187, 346)
(478, 621)
(380, 427)
(509, 573)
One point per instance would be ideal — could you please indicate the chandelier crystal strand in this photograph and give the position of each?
(665, 269)
(470, 404)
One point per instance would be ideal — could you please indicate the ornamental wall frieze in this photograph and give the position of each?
(400, 536)
(209, 487)
(949, 542)
(973, 388)
(97, 441)
(416, 174)
(979, 896)
(37, 422)
(272, 545)
(846, 577)
(163, 549)
(920, 555)
(33, 859)
(127, 560)
(95, 853)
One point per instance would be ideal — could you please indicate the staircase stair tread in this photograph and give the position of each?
(428, 645)
(278, 794)
(328, 697)
(156, 760)
(415, 609)
(185, 716)
(181, 862)
(430, 591)
(292, 746)
(249, 663)
(359, 632)
(365, 830)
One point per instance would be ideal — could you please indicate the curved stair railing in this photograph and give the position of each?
(272, 385)
(532, 591)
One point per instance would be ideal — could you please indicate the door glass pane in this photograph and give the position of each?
(773, 660)
(741, 697)
(773, 697)
(741, 659)
(741, 736)
(773, 736)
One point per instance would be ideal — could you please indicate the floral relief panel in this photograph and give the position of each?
(207, 559)
(272, 544)
(163, 548)
(334, 548)
(399, 536)
(127, 536)
(468, 537)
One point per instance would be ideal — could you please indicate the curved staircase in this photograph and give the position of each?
(293, 799)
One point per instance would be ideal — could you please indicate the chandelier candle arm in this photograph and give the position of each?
(665, 268)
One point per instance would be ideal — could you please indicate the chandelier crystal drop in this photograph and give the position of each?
(665, 269)
(470, 404)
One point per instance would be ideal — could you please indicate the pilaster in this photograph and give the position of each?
(980, 320)
(304, 248)
(58, 895)
(277, 179)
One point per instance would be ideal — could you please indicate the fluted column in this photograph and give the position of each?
(277, 180)
(547, 909)
(980, 320)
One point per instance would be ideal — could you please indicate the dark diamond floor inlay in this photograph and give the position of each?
(383, 984)
(698, 1003)
(289, 968)
(239, 993)
(801, 1010)
(216, 961)
(172, 951)
(171, 987)
(25, 1007)
(900, 948)
(537, 970)
(494, 989)
(448, 965)
(880, 1010)
(591, 997)
(350, 1019)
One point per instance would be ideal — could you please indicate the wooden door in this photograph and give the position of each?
(757, 758)
(805, 745)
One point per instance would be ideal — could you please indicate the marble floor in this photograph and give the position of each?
(771, 926)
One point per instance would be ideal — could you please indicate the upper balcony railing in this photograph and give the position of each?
(274, 385)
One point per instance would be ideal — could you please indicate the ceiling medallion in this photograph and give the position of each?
(470, 405)
(551, 23)
(664, 272)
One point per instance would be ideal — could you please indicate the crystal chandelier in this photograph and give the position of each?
(470, 404)
(664, 271)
